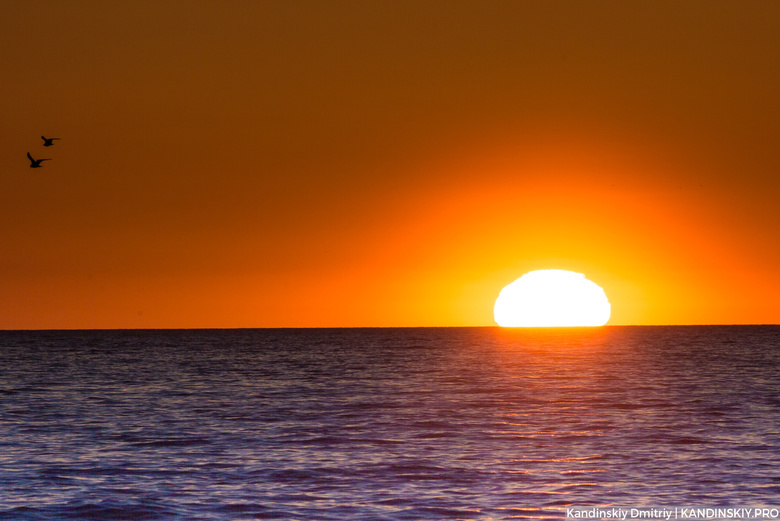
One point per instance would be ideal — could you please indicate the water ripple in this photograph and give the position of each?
(384, 424)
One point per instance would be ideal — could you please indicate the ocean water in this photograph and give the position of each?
(386, 424)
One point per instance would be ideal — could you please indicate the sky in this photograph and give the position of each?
(389, 163)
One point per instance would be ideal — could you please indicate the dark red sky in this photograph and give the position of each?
(386, 163)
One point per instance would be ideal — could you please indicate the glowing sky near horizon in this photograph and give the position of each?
(264, 164)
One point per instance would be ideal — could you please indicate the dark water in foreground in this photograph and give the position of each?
(389, 424)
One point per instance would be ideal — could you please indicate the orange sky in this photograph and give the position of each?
(264, 164)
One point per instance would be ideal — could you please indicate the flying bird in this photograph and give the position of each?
(36, 163)
(48, 141)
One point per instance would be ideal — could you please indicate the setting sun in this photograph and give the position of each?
(552, 298)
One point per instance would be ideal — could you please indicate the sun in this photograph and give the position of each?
(552, 298)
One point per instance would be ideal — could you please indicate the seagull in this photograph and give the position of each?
(36, 163)
(47, 142)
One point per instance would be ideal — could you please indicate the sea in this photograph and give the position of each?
(389, 424)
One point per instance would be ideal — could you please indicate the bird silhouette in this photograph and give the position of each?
(36, 163)
(48, 141)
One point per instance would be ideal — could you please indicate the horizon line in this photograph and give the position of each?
(380, 327)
